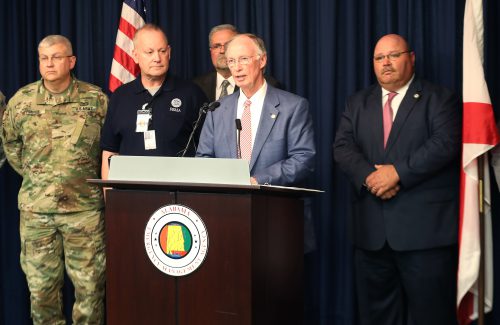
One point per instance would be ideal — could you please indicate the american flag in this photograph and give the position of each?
(479, 136)
(123, 67)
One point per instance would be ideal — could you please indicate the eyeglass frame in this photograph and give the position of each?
(218, 46)
(55, 58)
(391, 56)
(243, 60)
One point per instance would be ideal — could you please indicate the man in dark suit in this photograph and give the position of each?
(399, 144)
(220, 83)
(277, 134)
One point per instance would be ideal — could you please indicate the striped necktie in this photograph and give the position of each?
(224, 86)
(246, 132)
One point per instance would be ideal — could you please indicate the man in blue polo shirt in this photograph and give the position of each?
(154, 114)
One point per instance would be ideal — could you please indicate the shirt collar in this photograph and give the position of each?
(220, 79)
(167, 85)
(44, 96)
(401, 90)
(261, 93)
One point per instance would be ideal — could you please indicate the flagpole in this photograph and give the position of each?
(481, 275)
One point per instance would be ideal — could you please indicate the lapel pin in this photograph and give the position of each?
(273, 116)
(416, 96)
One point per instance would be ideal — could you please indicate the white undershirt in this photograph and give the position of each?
(153, 90)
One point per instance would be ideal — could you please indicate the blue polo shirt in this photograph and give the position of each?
(175, 107)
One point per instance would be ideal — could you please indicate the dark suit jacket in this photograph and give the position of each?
(424, 146)
(284, 149)
(208, 82)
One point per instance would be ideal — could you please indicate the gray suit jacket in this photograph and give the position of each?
(284, 149)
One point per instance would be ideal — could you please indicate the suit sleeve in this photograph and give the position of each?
(442, 146)
(347, 153)
(300, 149)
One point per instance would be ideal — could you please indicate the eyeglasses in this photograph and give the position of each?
(392, 56)
(55, 58)
(218, 46)
(243, 60)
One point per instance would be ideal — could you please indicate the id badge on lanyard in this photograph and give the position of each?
(142, 123)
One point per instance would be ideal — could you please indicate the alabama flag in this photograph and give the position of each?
(123, 67)
(479, 136)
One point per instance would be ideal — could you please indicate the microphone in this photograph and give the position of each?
(209, 107)
(206, 107)
(213, 106)
(238, 144)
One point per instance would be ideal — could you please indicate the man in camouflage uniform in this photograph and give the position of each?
(50, 135)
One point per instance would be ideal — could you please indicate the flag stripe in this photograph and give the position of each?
(127, 28)
(114, 82)
(466, 309)
(123, 67)
(133, 13)
(126, 62)
(124, 42)
(479, 116)
(121, 73)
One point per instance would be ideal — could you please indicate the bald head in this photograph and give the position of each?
(393, 62)
(392, 39)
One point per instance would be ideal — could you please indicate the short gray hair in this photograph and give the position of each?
(217, 28)
(150, 27)
(259, 43)
(50, 40)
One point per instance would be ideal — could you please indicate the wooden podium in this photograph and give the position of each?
(252, 272)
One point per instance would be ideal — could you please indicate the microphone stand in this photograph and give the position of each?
(238, 133)
(203, 110)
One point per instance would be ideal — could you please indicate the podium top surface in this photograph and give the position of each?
(179, 170)
(187, 174)
(200, 187)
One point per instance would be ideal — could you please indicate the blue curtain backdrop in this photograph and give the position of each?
(318, 49)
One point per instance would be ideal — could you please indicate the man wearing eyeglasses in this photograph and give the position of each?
(277, 137)
(50, 134)
(220, 83)
(399, 144)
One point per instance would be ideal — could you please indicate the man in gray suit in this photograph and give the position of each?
(277, 135)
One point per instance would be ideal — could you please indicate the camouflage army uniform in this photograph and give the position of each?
(2, 107)
(52, 141)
